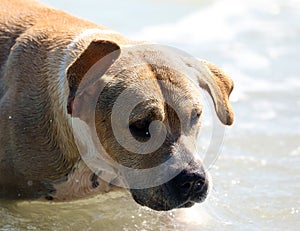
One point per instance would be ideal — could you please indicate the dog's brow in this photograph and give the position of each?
(151, 113)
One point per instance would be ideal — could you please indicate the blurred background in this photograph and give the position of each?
(257, 175)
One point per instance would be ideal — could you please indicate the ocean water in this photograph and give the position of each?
(256, 176)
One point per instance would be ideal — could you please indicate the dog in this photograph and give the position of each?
(62, 136)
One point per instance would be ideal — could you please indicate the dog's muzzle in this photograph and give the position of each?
(184, 190)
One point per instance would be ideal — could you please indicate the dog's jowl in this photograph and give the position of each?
(84, 110)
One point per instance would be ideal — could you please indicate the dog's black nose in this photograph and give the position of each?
(191, 185)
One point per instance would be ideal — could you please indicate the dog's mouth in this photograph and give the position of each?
(183, 191)
(164, 204)
(187, 204)
(160, 199)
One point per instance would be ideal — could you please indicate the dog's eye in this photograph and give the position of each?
(195, 115)
(140, 128)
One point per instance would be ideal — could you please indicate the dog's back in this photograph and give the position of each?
(15, 18)
(11, 27)
(19, 17)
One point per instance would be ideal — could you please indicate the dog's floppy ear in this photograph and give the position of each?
(102, 52)
(219, 86)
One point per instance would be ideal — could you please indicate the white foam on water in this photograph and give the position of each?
(224, 20)
(251, 39)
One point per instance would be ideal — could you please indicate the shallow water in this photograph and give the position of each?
(256, 177)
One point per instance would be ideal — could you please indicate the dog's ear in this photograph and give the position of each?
(99, 53)
(219, 86)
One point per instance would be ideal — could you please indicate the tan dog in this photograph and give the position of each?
(45, 58)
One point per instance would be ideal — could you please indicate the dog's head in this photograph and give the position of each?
(147, 114)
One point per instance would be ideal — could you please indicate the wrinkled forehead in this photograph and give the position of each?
(154, 54)
(158, 73)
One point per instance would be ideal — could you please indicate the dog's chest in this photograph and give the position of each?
(80, 183)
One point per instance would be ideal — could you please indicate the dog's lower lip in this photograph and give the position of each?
(199, 200)
(186, 204)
